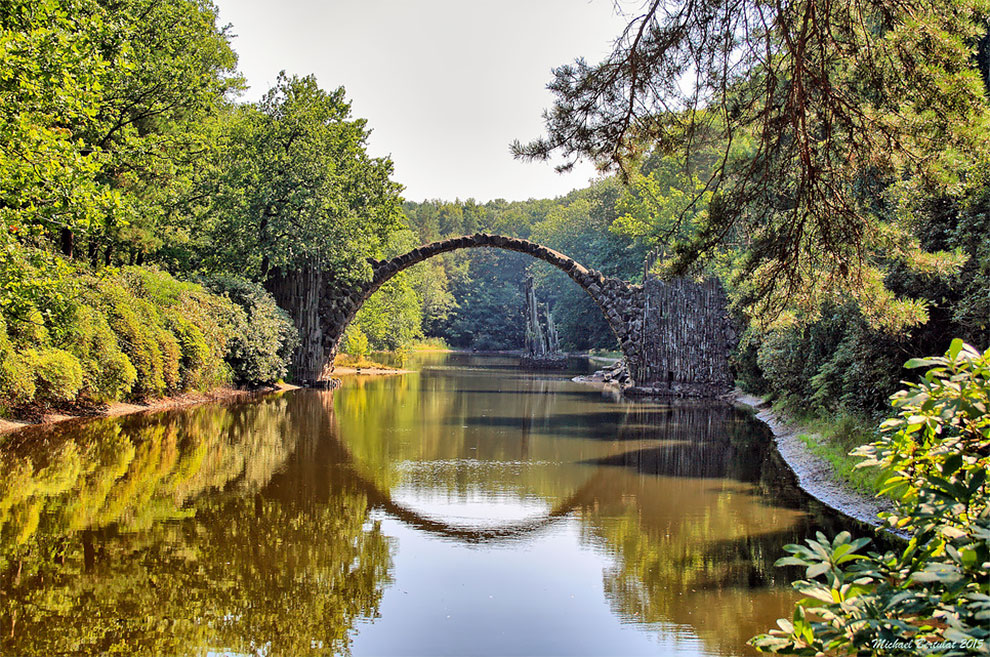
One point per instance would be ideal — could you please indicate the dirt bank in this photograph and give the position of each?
(122, 408)
(815, 475)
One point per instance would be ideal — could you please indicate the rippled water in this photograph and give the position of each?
(466, 508)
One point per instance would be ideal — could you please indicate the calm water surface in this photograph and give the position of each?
(468, 508)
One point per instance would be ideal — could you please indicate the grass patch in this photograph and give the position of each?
(832, 440)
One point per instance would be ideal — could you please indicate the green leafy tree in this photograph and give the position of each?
(51, 88)
(173, 68)
(102, 107)
(296, 203)
(297, 187)
(815, 106)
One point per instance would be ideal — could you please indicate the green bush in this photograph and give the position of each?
(176, 334)
(137, 332)
(781, 360)
(355, 342)
(58, 374)
(195, 353)
(263, 336)
(933, 595)
(171, 359)
(108, 373)
(137, 340)
(16, 373)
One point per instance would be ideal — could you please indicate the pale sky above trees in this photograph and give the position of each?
(446, 85)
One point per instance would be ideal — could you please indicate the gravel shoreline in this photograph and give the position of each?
(815, 475)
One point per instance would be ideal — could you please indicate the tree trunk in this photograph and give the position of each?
(536, 343)
(298, 292)
(89, 551)
(66, 241)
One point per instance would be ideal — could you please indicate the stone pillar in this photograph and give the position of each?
(299, 293)
(686, 339)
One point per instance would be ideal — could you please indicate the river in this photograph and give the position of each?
(466, 508)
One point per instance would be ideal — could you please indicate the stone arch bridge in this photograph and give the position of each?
(675, 336)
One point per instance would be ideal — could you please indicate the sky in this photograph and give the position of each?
(446, 85)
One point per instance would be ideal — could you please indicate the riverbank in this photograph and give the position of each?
(815, 475)
(226, 393)
(126, 408)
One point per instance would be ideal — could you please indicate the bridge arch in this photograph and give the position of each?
(621, 303)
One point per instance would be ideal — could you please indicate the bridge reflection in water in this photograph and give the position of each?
(460, 509)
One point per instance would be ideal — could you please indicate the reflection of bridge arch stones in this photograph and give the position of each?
(382, 499)
(506, 532)
(674, 336)
(327, 461)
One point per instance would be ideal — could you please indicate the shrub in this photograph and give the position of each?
(781, 360)
(195, 354)
(174, 333)
(355, 342)
(837, 364)
(137, 340)
(66, 333)
(187, 326)
(263, 336)
(171, 357)
(58, 374)
(108, 373)
(16, 377)
(933, 596)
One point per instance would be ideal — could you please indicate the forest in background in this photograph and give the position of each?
(147, 211)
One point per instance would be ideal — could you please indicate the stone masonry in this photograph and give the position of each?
(653, 331)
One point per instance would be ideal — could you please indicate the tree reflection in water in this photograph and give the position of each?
(168, 534)
(248, 528)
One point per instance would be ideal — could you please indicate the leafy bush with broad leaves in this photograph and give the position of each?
(58, 374)
(931, 596)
